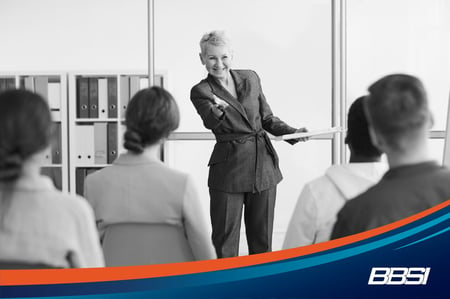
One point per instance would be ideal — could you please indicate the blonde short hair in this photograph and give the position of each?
(216, 38)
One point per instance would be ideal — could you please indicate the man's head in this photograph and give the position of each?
(358, 138)
(397, 110)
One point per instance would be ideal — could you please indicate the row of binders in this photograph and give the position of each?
(7, 83)
(97, 97)
(96, 143)
(49, 88)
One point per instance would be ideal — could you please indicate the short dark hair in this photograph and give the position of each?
(25, 129)
(152, 114)
(397, 106)
(358, 130)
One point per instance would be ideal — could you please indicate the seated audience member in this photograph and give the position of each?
(39, 225)
(399, 119)
(321, 199)
(138, 187)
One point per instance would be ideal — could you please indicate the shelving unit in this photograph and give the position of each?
(87, 139)
(97, 105)
(53, 87)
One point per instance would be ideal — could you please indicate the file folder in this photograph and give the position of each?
(112, 142)
(100, 143)
(41, 86)
(93, 98)
(28, 83)
(56, 145)
(83, 97)
(54, 96)
(84, 150)
(80, 174)
(102, 98)
(134, 85)
(124, 94)
(112, 97)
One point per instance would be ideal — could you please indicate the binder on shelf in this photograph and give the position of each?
(41, 86)
(55, 174)
(56, 145)
(28, 83)
(48, 155)
(103, 98)
(83, 97)
(84, 151)
(93, 98)
(112, 97)
(80, 174)
(112, 142)
(143, 82)
(120, 147)
(54, 95)
(124, 94)
(134, 85)
(159, 81)
(54, 100)
(100, 143)
(56, 115)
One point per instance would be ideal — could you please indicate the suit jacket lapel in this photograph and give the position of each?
(222, 93)
(240, 83)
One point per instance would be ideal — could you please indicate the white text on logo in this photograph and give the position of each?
(399, 276)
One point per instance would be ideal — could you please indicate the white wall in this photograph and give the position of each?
(411, 36)
(69, 35)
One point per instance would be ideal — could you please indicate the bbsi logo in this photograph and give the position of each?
(399, 276)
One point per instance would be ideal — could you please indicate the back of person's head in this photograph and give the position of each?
(25, 129)
(152, 115)
(397, 109)
(215, 38)
(358, 137)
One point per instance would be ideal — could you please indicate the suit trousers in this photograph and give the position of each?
(226, 213)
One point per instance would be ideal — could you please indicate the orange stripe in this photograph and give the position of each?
(58, 276)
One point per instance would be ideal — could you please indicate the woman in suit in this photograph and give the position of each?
(244, 167)
(39, 225)
(138, 187)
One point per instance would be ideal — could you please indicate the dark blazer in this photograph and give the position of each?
(243, 159)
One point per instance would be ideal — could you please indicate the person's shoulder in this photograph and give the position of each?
(363, 201)
(200, 87)
(319, 184)
(247, 73)
(442, 172)
(98, 176)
